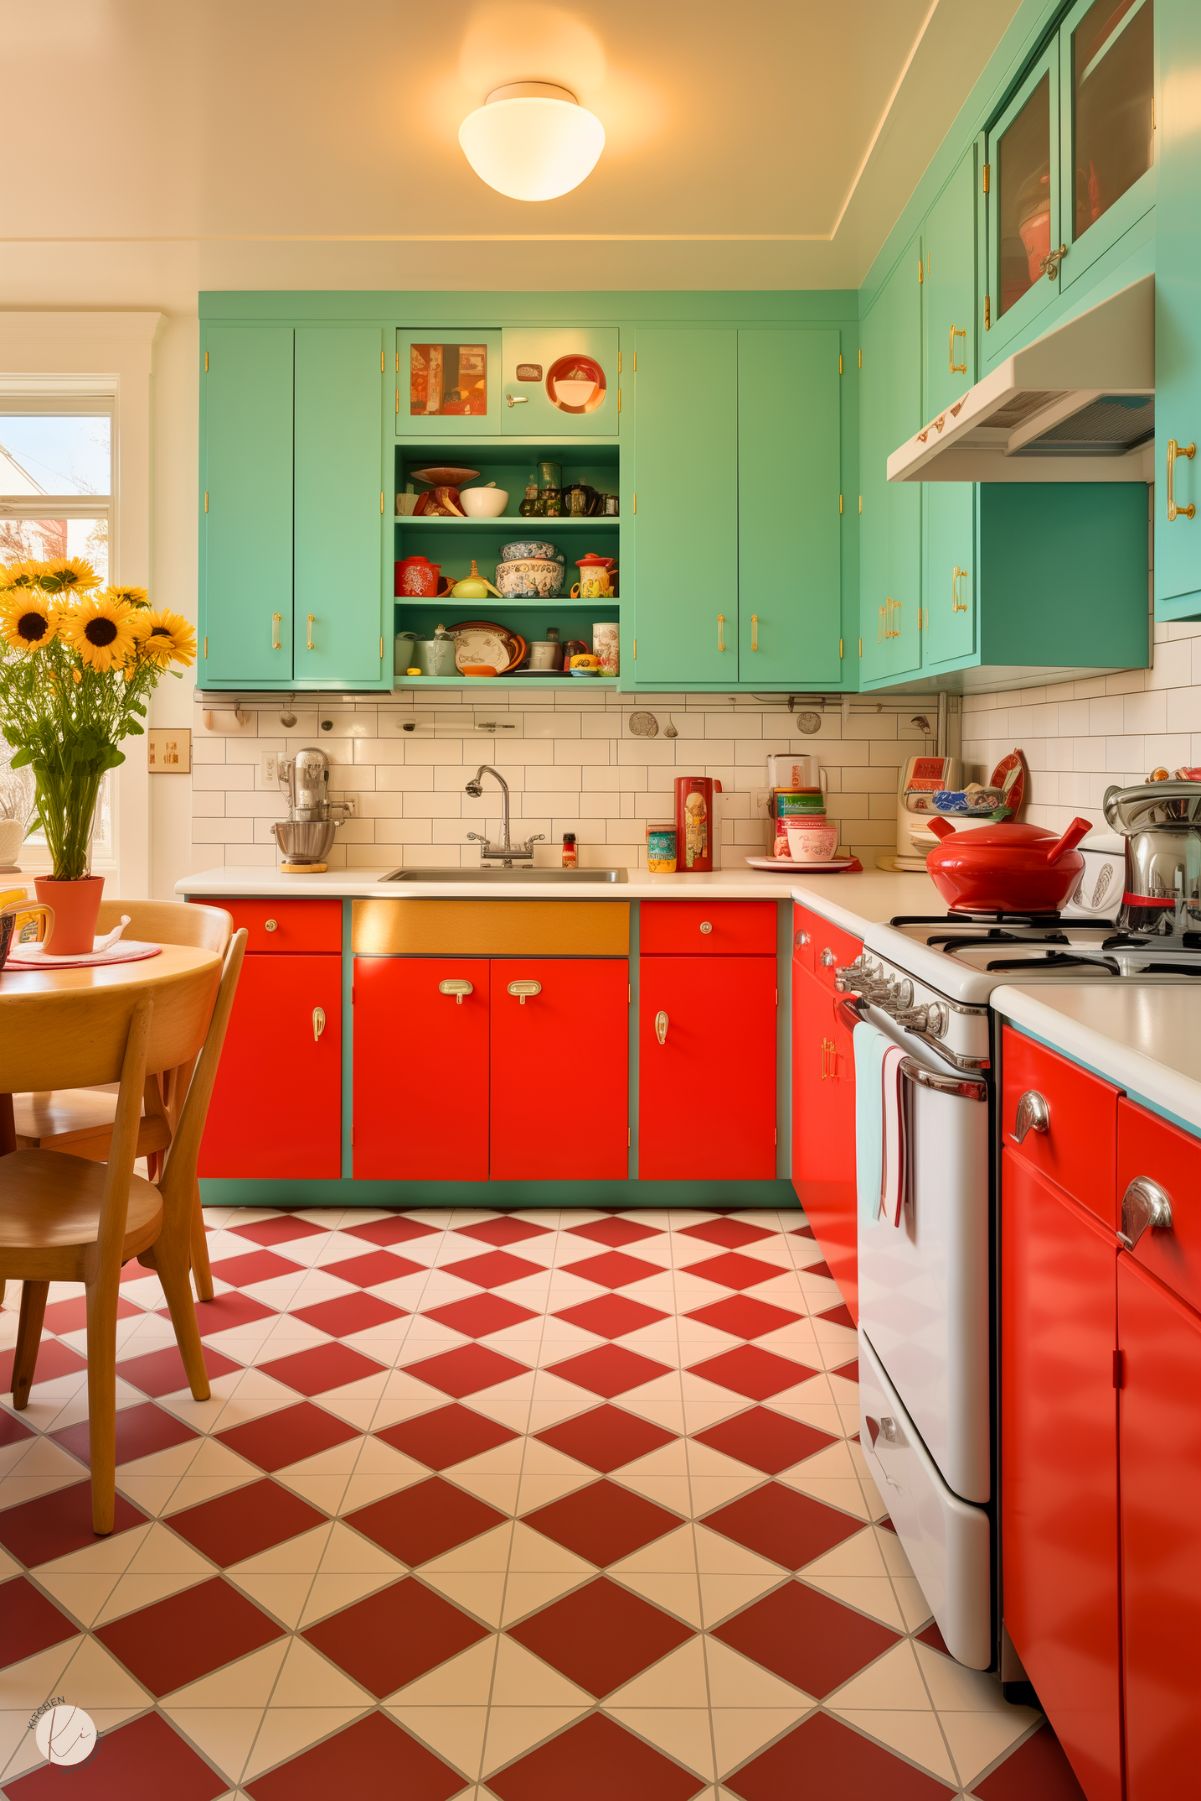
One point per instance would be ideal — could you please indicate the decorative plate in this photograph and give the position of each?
(483, 641)
(1012, 769)
(445, 475)
(786, 866)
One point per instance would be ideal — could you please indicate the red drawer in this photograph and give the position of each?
(695, 928)
(288, 925)
(1150, 1147)
(1078, 1146)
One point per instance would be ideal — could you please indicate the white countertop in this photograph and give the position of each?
(849, 901)
(1145, 1037)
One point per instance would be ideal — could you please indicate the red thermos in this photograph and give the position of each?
(696, 825)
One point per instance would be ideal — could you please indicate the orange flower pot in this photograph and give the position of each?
(76, 910)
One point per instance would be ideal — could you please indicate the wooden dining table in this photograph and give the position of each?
(147, 975)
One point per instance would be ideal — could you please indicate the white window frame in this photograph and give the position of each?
(60, 361)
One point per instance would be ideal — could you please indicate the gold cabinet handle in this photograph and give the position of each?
(1049, 264)
(277, 620)
(310, 620)
(271, 925)
(318, 1023)
(1178, 450)
(661, 1024)
(958, 604)
(754, 631)
(523, 991)
(957, 331)
(705, 927)
(721, 631)
(456, 986)
(886, 626)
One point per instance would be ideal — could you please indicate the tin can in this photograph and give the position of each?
(661, 848)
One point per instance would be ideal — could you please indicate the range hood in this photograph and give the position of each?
(1077, 405)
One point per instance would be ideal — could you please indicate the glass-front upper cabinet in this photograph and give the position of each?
(1068, 161)
(1023, 213)
(1108, 57)
(448, 385)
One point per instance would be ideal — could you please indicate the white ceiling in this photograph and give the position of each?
(158, 146)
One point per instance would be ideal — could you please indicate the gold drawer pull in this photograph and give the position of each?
(456, 986)
(957, 331)
(721, 631)
(310, 620)
(1178, 450)
(523, 991)
(276, 622)
(661, 1024)
(754, 631)
(271, 925)
(318, 1023)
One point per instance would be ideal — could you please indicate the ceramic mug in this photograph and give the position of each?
(812, 840)
(593, 587)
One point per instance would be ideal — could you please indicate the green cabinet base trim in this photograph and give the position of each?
(729, 1196)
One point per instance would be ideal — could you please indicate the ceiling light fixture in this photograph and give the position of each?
(532, 140)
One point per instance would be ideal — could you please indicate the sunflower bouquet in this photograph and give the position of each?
(78, 663)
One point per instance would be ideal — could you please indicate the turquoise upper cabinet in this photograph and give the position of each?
(1069, 161)
(1107, 125)
(561, 382)
(949, 291)
(890, 394)
(246, 506)
(686, 482)
(789, 533)
(1023, 209)
(949, 320)
(338, 536)
(1177, 498)
(448, 385)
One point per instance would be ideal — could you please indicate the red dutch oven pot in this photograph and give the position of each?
(1005, 868)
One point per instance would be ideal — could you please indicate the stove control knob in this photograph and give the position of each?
(938, 1018)
(903, 993)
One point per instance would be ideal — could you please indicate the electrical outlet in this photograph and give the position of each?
(269, 769)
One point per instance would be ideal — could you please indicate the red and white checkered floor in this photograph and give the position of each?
(517, 1507)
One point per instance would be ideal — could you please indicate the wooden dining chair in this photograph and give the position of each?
(65, 1218)
(80, 1120)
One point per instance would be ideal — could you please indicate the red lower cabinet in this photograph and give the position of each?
(1059, 1467)
(1161, 1534)
(707, 1069)
(823, 1126)
(560, 1069)
(276, 1109)
(421, 1069)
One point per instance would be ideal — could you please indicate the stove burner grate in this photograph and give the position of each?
(1052, 960)
(986, 916)
(953, 943)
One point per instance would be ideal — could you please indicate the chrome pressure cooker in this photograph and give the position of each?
(1161, 824)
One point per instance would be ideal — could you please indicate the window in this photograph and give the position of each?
(56, 500)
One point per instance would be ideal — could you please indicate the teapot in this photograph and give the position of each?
(473, 586)
(416, 578)
(596, 577)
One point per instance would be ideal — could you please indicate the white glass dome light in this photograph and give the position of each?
(532, 140)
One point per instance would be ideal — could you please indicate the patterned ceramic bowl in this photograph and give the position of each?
(529, 578)
(523, 548)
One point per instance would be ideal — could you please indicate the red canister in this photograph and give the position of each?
(696, 826)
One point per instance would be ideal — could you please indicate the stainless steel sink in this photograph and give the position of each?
(489, 878)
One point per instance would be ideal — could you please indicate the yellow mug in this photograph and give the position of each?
(593, 587)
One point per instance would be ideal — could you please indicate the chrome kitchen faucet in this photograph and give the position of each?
(506, 851)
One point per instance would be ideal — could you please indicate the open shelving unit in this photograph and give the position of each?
(453, 544)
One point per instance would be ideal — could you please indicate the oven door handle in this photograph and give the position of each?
(960, 1088)
(853, 1009)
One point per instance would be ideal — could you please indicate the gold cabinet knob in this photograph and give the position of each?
(271, 925)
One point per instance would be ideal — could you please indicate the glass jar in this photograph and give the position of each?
(661, 848)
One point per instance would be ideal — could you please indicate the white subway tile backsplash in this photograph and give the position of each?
(572, 762)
